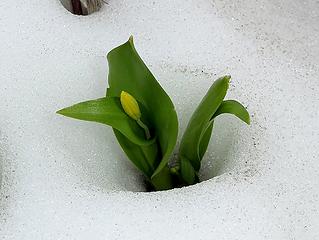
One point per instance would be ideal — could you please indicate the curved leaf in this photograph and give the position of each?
(198, 123)
(235, 108)
(108, 111)
(227, 106)
(127, 72)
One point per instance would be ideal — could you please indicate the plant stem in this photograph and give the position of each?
(146, 130)
(163, 180)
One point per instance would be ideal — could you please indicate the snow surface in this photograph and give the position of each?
(67, 179)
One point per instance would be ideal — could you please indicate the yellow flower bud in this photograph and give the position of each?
(130, 105)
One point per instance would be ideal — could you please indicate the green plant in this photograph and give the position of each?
(145, 123)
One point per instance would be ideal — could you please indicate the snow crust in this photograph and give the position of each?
(67, 179)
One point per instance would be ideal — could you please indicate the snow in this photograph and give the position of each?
(67, 179)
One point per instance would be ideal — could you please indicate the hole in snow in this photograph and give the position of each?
(230, 148)
(92, 156)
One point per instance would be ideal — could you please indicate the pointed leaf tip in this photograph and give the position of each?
(108, 111)
(248, 120)
(61, 112)
(227, 79)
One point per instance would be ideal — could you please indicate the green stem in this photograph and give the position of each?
(146, 130)
(163, 180)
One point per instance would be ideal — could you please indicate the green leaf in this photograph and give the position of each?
(143, 157)
(204, 140)
(228, 106)
(198, 124)
(196, 146)
(235, 108)
(108, 111)
(187, 171)
(127, 72)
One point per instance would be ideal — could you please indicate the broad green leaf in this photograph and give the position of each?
(144, 157)
(235, 108)
(108, 111)
(198, 123)
(127, 72)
